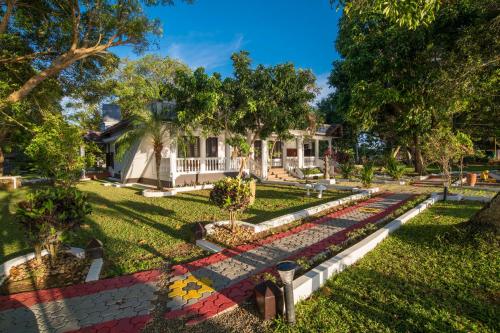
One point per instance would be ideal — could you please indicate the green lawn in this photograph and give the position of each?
(140, 233)
(429, 276)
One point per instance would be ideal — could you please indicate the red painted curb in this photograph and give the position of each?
(128, 325)
(30, 298)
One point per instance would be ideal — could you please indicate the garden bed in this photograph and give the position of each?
(30, 275)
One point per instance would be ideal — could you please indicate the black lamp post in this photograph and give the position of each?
(286, 270)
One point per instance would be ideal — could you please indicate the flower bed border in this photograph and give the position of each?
(92, 275)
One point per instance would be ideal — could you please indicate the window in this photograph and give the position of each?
(212, 147)
(188, 147)
(309, 148)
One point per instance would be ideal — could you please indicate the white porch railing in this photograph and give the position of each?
(235, 164)
(309, 161)
(215, 164)
(188, 165)
(212, 164)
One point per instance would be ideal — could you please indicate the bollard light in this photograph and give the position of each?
(308, 187)
(320, 188)
(286, 270)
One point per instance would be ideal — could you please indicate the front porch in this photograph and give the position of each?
(298, 153)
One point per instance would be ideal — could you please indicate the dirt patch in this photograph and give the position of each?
(68, 270)
(243, 319)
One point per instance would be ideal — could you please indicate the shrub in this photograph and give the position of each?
(311, 171)
(232, 195)
(347, 169)
(394, 169)
(48, 214)
(367, 174)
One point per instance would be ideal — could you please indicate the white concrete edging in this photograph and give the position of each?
(92, 275)
(173, 191)
(209, 246)
(311, 281)
(289, 218)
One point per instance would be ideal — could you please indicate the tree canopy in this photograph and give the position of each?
(399, 83)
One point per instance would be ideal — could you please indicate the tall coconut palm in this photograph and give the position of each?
(152, 125)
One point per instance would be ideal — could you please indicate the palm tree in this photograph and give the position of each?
(152, 124)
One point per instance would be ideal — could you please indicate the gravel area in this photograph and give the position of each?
(243, 319)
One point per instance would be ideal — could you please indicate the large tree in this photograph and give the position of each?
(56, 35)
(265, 101)
(399, 83)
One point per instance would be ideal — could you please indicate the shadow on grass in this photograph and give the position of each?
(406, 305)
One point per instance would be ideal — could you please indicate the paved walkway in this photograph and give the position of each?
(197, 290)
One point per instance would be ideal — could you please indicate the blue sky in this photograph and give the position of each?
(275, 31)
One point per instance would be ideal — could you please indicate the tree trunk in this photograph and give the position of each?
(232, 219)
(327, 167)
(6, 17)
(158, 164)
(2, 159)
(489, 215)
(418, 160)
(62, 62)
(38, 253)
(395, 152)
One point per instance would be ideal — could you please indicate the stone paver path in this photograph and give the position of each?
(198, 290)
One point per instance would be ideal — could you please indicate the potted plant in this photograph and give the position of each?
(232, 195)
(471, 179)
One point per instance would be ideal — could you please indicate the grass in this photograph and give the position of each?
(141, 233)
(429, 276)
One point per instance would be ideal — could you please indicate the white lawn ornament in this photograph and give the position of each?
(308, 187)
(320, 188)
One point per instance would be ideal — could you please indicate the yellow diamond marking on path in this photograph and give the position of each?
(370, 210)
(199, 286)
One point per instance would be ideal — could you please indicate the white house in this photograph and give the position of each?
(206, 159)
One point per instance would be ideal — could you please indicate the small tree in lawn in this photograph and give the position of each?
(443, 147)
(232, 195)
(47, 215)
(466, 149)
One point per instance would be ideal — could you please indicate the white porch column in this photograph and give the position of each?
(173, 162)
(203, 153)
(316, 152)
(300, 151)
(283, 154)
(264, 158)
(329, 143)
(227, 154)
